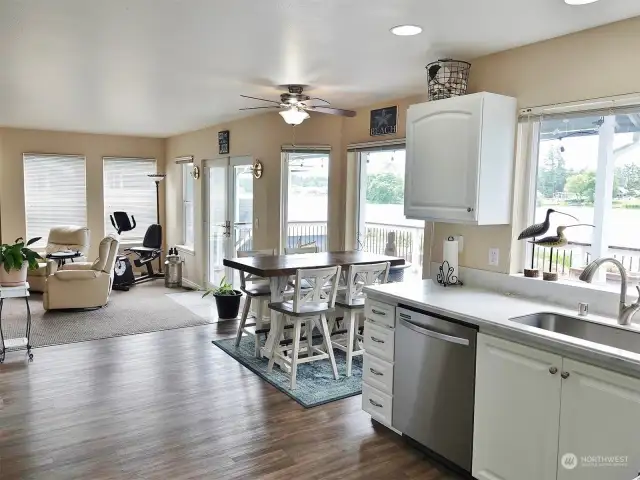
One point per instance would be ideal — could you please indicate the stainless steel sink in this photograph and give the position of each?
(584, 329)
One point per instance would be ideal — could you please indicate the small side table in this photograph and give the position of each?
(62, 257)
(15, 343)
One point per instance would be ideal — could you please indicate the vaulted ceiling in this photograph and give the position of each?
(161, 67)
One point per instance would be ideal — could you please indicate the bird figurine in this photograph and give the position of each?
(559, 240)
(538, 229)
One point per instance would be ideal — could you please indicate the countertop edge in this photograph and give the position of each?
(597, 355)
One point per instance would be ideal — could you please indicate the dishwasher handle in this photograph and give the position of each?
(434, 334)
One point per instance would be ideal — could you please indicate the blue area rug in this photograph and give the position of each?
(315, 384)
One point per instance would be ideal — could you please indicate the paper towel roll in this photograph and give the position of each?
(450, 254)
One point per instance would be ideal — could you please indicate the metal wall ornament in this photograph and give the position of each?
(536, 230)
(195, 172)
(445, 276)
(257, 169)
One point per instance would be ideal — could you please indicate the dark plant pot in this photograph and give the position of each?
(228, 305)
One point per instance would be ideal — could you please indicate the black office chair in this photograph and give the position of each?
(150, 250)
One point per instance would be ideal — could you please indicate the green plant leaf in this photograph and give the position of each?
(33, 240)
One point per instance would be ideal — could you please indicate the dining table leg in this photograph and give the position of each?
(278, 286)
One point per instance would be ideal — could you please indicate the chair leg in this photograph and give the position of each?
(309, 330)
(327, 343)
(243, 320)
(258, 326)
(350, 323)
(295, 351)
(276, 346)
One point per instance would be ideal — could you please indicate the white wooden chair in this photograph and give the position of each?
(351, 302)
(258, 288)
(309, 307)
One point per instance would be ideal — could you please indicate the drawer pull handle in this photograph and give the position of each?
(375, 404)
(376, 372)
(377, 340)
(404, 315)
(378, 312)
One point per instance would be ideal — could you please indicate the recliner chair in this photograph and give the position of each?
(83, 284)
(61, 238)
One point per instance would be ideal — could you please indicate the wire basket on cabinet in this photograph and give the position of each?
(447, 78)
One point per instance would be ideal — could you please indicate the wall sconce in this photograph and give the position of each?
(195, 172)
(257, 169)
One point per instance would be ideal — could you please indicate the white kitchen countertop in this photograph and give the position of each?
(492, 310)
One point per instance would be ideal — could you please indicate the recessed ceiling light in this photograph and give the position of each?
(579, 2)
(406, 30)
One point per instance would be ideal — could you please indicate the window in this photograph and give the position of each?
(55, 193)
(128, 188)
(380, 209)
(188, 185)
(588, 166)
(306, 199)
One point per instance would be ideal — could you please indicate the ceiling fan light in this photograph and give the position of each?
(406, 30)
(294, 115)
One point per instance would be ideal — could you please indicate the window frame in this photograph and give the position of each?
(138, 240)
(41, 244)
(187, 176)
(528, 147)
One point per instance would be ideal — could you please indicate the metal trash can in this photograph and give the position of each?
(173, 271)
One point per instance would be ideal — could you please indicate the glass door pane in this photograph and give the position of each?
(218, 231)
(242, 205)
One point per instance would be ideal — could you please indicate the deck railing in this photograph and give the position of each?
(304, 233)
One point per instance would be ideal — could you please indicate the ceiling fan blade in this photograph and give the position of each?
(256, 108)
(332, 111)
(261, 99)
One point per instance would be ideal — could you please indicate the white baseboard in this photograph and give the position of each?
(189, 284)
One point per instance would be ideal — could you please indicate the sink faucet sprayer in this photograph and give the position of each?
(626, 312)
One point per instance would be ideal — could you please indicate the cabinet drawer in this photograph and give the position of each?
(378, 341)
(376, 404)
(381, 313)
(378, 373)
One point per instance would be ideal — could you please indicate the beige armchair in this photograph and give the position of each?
(64, 237)
(83, 284)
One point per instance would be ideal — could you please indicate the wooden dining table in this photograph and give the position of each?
(278, 269)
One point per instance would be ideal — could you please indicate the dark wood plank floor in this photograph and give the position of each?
(170, 405)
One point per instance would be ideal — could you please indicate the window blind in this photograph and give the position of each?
(128, 188)
(54, 192)
(379, 146)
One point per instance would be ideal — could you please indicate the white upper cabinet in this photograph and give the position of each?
(460, 156)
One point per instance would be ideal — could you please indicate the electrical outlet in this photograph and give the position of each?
(494, 256)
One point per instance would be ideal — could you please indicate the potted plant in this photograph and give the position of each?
(16, 259)
(227, 299)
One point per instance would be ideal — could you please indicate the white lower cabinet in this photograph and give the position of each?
(377, 368)
(540, 416)
(599, 424)
(517, 407)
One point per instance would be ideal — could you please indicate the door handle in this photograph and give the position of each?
(433, 334)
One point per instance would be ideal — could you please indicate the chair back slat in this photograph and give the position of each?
(321, 286)
(249, 277)
(360, 276)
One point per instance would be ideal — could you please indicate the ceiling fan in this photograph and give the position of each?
(295, 105)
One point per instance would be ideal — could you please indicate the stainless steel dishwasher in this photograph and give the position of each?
(434, 384)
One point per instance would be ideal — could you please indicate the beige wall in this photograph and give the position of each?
(589, 64)
(594, 63)
(260, 137)
(15, 142)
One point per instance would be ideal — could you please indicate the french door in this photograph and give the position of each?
(228, 207)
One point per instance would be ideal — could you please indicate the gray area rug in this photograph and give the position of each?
(144, 308)
(315, 384)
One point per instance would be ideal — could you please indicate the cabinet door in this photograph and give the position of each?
(516, 413)
(600, 418)
(443, 155)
